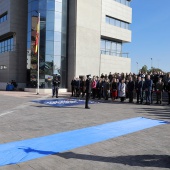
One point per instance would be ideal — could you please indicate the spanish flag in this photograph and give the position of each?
(37, 36)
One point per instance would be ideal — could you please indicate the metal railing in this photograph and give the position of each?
(114, 53)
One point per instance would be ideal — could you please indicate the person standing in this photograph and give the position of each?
(122, 90)
(168, 91)
(83, 86)
(114, 89)
(93, 86)
(142, 93)
(107, 89)
(55, 85)
(138, 87)
(73, 87)
(131, 87)
(148, 88)
(88, 91)
(159, 89)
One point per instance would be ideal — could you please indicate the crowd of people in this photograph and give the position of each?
(124, 86)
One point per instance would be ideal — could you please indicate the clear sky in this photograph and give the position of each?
(150, 35)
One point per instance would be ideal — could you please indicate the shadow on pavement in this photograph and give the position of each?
(160, 113)
(161, 161)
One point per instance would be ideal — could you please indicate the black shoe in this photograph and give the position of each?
(87, 107)
(56, 96)
(156, 103)
(145, 103)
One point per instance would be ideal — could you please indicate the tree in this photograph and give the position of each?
(144, 69)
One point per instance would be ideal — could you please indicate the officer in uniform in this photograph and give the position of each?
(55, 85)
(88, 91)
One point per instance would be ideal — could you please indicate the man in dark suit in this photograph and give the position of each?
(148, 88)
(88, 91)
(139, 89)
(73, 87)
(168, 91)
(131, 87)
(56, 84)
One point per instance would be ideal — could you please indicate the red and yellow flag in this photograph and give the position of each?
(37, 36)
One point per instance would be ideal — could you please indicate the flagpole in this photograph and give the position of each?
(38, 62)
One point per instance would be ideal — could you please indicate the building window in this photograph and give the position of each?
(116, 22)
(124, 2)
(111, 48)
(3, 17)
(7, 45)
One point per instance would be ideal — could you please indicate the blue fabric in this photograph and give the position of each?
(63, 102)
(25, 150)
(9, 87)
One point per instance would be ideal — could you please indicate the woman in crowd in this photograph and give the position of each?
(114, 89)
(93, 87)
(122, 90)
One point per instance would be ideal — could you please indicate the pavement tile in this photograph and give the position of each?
(143, 150)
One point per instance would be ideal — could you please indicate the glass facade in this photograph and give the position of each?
(3, 17)
(116, 22)
(53, 41)
(124, 2)
(7, 45)
(111, 48)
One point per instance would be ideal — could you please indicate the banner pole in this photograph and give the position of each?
(38, 78)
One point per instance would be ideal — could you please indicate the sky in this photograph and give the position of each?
(150, 28)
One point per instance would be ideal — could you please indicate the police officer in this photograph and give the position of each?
(88, 91)
(55, 85)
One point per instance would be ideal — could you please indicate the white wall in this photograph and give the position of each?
(115, 64)
(119, 11)
(88, 36)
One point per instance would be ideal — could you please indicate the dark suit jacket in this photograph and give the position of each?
(88, 86)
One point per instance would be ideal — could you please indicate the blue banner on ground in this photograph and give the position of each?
(63, 102)
(25, 150)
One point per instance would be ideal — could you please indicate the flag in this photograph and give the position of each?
(37, 36)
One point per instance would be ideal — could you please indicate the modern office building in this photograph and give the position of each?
(13, 35)
(77, 37)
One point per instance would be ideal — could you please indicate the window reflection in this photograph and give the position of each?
(57, 26)
(117, 22)
(6, 45)
(50, 5)
(3, 17)
(111, 48)
(53, 27)
(50, 35)
(50, 47)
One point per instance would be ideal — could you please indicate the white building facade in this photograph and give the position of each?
(97, 31)
(80, 37)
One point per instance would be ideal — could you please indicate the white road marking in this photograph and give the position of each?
(6, 113)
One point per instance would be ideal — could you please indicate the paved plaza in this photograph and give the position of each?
(22, 118)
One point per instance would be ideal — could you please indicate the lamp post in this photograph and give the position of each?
(151, 63)
(137, 66)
